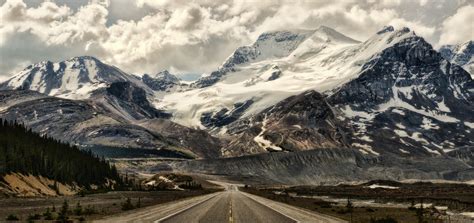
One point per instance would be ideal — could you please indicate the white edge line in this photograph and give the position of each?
(184, 209)
(270, 207)
(299, 209)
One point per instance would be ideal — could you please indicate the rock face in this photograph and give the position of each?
(461, 54)
(409, 91)
(224, 116)
(128, 101)
(301, 122)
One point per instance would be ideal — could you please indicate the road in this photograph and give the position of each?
(229, 206)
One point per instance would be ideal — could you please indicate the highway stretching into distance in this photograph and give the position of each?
(229, 206)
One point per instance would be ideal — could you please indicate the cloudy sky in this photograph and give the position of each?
(194, 37)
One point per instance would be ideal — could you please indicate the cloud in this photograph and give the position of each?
(423, 2)
(188, 39)
(458, 27)
(87, 24)
(146, 36)
(188, 18)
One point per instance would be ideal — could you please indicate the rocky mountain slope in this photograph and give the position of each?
(91, 124)
(302, 122)
(328, 166)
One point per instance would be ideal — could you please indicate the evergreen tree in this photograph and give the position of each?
(78, 209)
(63, 214)
(24, 151)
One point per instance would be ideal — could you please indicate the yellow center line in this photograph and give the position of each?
(231, 218)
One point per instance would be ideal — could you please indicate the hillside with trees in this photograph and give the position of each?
(26, 152)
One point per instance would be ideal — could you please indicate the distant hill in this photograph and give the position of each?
(24, 154)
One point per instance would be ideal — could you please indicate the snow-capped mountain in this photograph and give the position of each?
(275, 45)
(370, 89)
(410, 100)
(460, 54)
(84, 101)
(75, 78)
(320, 60)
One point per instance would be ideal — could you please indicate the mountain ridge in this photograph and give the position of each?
(391, 95)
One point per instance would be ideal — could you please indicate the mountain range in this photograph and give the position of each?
(299, 97)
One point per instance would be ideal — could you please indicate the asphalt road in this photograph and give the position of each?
(229, 206)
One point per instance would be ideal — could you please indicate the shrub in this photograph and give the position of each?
(78, 209)
(325, 205)
(12, 217)
(63, 213)
(139, 203)
(370, 210)
(383, 220)
(127, 205)
(47, 215)
(34, 217)
(89, 210)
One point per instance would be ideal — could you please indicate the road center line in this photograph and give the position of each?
(185, 208)
(231, 218)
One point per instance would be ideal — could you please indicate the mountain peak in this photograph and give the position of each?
(386, 29)
(74, 78)
(272, 44)
(393, 31)
(85, 57)
(163, 75)
(282, 35)
(161, 81)
(329, 34)
(461, 54)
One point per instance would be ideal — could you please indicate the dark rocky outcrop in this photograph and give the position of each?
(224, 116)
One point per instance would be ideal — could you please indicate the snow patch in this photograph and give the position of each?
(469, 124)
(401, 133)
(366, 148)
(404, 151)
(442, 107)
(431, 150)
(398, 111)
(427, 124)
(264, 143)
(374, 186)
(417, 137)
(400, 126)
